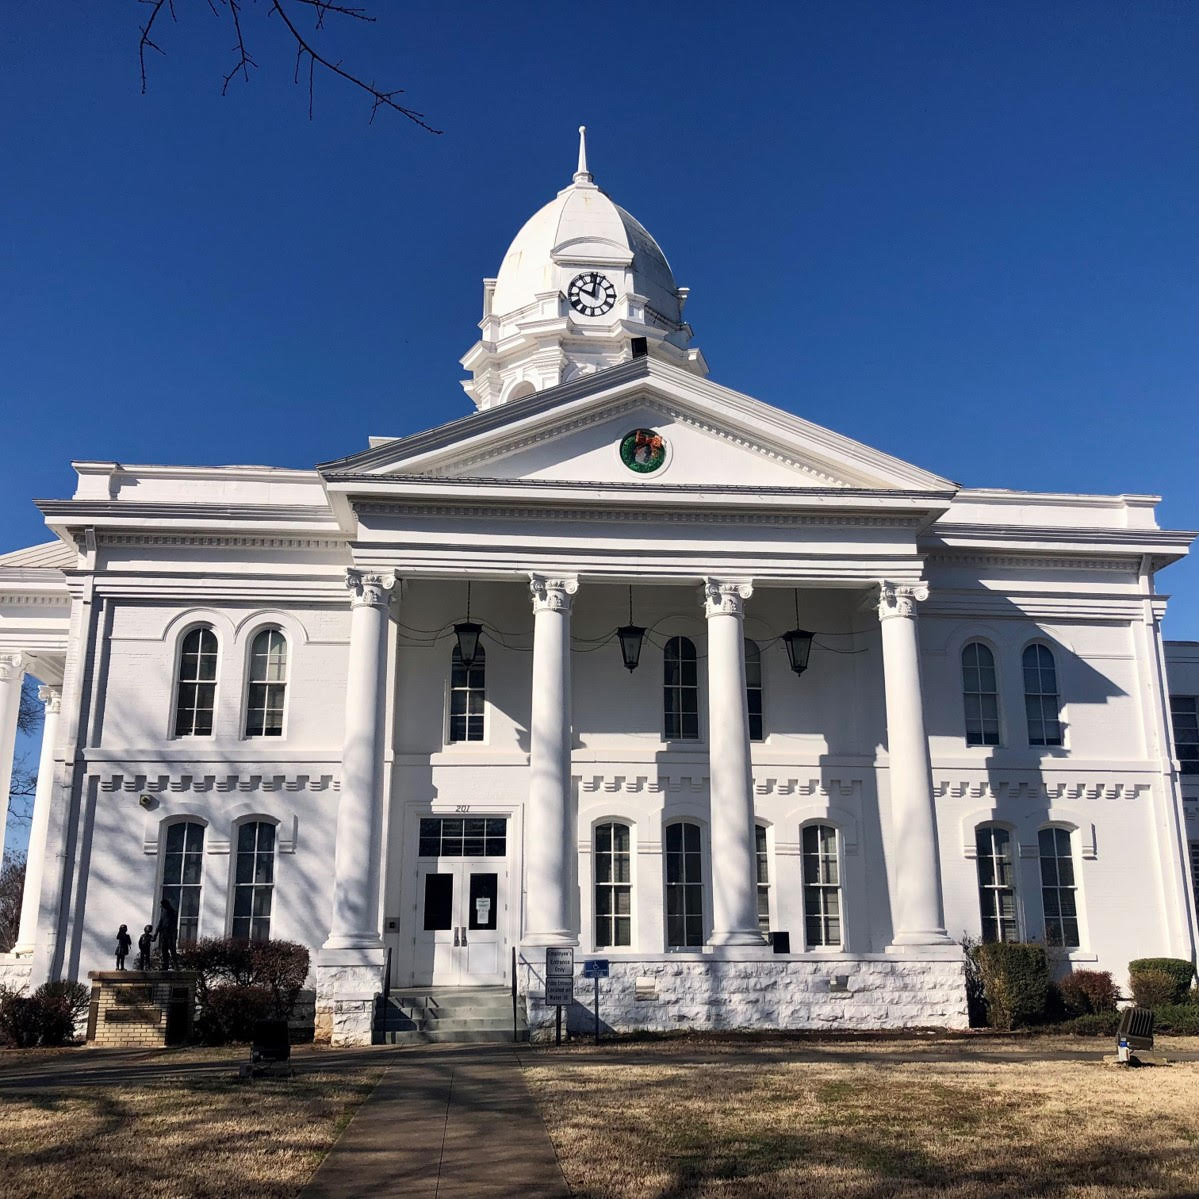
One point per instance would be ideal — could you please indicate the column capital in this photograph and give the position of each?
(12, 666)
(372, 588)
(726, 597)
(552, 593)
(900, 599)
(51, 697)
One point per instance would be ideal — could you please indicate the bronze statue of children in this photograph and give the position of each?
(124, 944)
(143, 948)
(166, 933)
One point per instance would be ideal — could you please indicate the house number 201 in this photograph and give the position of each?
(462, 807)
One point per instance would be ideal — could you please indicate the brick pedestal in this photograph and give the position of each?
(140, 1009)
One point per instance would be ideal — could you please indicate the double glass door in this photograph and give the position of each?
(462, 912)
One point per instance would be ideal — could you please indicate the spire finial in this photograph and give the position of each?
(583, 175)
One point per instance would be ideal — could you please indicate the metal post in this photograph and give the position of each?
(514, 1036)
(558, 1038)
(597, 1008)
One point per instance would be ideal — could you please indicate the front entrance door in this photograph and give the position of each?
(461, 903)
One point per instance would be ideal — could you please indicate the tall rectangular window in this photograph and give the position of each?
(182, 869)
(195, 692)
(680, 690)
(613, 886)
(996, 883)
(254, 881)
(1058, 893)
(468, 688)
(980, 691)
(267, 687)
(684, 886)
(763, 859)
(753, 690)
(1041, 703)
(1185, 712)
(821, 887)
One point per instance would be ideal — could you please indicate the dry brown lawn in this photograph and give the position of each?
(174, 1138)
(869, 1120)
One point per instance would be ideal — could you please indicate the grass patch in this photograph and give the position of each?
(206, 1136)
(962, 1120)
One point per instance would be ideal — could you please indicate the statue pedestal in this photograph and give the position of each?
(140, 1008)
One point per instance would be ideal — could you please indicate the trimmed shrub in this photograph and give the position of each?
(1096, 1024)
(1179, 969)
(1178, 1018)
(232, 1011)
(1086, 992)
(47, 1017)
(1015, 982)
(1153, 988)
(266, 975)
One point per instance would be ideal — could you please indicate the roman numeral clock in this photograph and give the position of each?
(591, 294)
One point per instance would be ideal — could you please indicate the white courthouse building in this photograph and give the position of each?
(624, 660)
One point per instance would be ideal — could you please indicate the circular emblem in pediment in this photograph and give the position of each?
(643, 451)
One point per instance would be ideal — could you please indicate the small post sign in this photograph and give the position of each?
(559, 982)
(596, 968)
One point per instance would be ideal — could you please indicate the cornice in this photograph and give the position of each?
(95, 511)
(1118, 563)
(1129, 539)
(161, 784)
(221, 541)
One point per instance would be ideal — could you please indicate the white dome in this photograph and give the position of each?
(583, 226)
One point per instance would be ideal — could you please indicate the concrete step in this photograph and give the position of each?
(466, 1023)
(424, 1037)
(452, 1000)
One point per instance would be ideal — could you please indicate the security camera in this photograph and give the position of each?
(147, 801)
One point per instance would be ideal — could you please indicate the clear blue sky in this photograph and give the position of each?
(965, 233)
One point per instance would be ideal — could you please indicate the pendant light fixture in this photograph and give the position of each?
(631, 637)
(798, 642)
(467, 633)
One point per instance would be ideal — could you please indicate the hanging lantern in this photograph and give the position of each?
(798, 643)
(631, 636)
(799, 646)
(467, 632)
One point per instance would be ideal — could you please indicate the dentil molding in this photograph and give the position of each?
(157, 784)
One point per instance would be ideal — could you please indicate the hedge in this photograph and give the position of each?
(1181, 1018)
(1015, 980)
(1088, 992)
(1153, 988)
(1181, 970)
(47, 1017)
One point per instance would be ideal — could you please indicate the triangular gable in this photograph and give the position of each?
(715, 435)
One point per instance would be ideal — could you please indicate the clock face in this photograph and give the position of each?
(591, 293)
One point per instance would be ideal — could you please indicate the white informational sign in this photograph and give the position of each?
(559, 990)
(559, 963)
(482, 907)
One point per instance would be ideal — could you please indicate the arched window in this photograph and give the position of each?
(680, 690)
(468, 689)
(182, 868)
(981, 693)
(613, 886)
(821, 887)
(267, 691)
(1040, 696)
(254, 881)
(763, 859)
(1058, 894)
(753, 689)
(996, 883)
(684, 886)
(195, 693)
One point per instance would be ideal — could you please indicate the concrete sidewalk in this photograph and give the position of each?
(447, 1123)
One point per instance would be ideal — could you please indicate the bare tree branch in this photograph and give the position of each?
(380, 98)
(31, 710)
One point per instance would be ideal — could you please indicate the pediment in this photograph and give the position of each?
(713, 437)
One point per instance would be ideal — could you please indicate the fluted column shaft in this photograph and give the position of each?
(734, 857)
(356, 861)
(35, 858)
(550, 827)
(916, 906)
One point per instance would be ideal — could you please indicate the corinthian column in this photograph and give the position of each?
(12, 674)
(550, 828)
(35, 858)
(734, 860)
(917, 914)
(356, 860)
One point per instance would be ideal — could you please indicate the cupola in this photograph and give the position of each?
(580, 282)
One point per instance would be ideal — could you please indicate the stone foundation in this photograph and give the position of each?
(346, 986)
(15, 972)
(878, 991)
